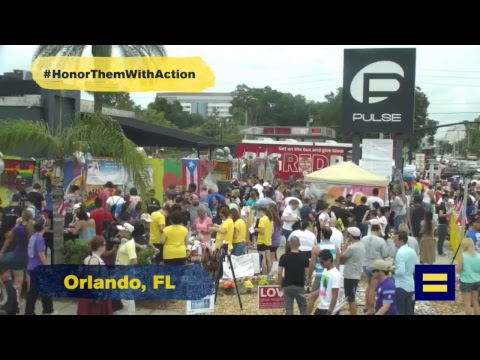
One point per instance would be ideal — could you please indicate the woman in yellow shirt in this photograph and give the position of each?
(175, 241)
(264, 238)
(224, 231)
(239, 233)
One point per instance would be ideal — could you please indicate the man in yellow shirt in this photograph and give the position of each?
(126, 255)
(224, 231)
(264, 239)
(156, 229)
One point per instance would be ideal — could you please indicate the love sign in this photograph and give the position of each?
(270, 298)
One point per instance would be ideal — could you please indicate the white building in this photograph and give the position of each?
(205, 103)
(455, 134)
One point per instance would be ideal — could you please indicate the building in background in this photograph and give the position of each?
(204, 104)
(455, 134)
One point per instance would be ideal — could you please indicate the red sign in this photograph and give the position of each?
(270, 298)
(294, 159)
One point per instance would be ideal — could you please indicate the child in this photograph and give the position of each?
(11, 306)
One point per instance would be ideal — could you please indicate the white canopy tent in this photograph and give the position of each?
(346, 173)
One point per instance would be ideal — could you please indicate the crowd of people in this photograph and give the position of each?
(329, 247)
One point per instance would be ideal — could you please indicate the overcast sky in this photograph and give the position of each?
(448, 74)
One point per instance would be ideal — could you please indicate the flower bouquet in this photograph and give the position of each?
(248, 286)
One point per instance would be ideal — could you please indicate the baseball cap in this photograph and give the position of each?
(146, 217)
(381, 265)
(16, 197)
(354, 231)
(77, 206)
(266, 184)
(126, 227)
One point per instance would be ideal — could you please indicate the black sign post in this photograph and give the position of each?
(379, 92)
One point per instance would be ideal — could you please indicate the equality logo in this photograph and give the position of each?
(376, 82)
(434, 282)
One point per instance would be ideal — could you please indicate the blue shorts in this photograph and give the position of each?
(367, 270)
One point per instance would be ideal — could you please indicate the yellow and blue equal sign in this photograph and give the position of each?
(434, 282)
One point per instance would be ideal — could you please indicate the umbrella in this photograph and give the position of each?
(264, 203)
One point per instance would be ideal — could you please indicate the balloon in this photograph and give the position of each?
(230, 158)
(226, 150)
(2, 166)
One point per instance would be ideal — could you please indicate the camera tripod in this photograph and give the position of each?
(222, 254)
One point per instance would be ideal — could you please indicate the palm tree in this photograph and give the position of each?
(96, 134)
(99, 51)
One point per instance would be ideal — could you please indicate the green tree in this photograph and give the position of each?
(96, 134)
(117, 100)
(173, 112)
(154, 117)
(268, 107)
(99, 51)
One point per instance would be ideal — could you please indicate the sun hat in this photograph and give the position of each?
(126, 227)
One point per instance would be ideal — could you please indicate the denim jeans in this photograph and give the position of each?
(398, 221)
(404, 301)
(292, 293)
(442, 235)
(238, 249)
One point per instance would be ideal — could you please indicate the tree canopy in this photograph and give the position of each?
(262, 107)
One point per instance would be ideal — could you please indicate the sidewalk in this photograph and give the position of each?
(69, 307)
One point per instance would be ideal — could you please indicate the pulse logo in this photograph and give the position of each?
(376, 82)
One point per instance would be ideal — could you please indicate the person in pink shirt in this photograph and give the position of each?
(106, 193)
(204, 194)
(201, 225)
(134, 197)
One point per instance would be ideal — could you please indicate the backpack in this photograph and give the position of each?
(38, 214)
(113, 208)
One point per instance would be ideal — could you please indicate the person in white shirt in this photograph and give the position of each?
(373, 217)
(399, 208)
(116, 199)
(337, 236)
(287, 201)
(412, 243)
(374, 199)
(325, 216)
(307, 239)
(329, 286)
(259, 188)
(290, 216)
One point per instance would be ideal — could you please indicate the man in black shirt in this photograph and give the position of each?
(10, 215)
(341, 212)
(185, 213)
(153, 204)
(443, 214)
(417, 214)
(359, 213)
(350, 203)
(293, 283)
(36, 195)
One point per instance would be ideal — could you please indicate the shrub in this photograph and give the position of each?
(144, 257)
(76, 251)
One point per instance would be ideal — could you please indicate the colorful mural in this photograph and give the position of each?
(333, 192)
(18, 173)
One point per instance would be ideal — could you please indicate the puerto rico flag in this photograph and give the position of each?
(190, 172)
